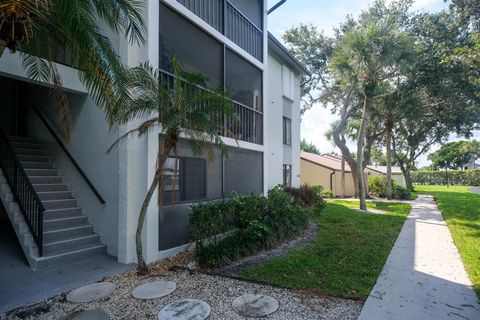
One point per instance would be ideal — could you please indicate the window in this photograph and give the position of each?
(185, 179)
(197, 51)
(287, 131)
(288, 83)
(244, 81)
(287, 175)
(243, 172)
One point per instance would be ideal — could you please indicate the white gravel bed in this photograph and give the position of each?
(217, 291)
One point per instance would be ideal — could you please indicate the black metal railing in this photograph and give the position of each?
(231, 22)
(243, 32)
(68, 154)
(210, 11)
(246, 124)
(23, 192)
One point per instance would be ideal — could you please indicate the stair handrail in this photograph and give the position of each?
(69, 156)
(24, 194)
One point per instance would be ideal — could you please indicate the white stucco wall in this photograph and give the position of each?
(278, 154)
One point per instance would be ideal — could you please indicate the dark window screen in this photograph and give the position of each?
(243, 172)
(191, 180)
(244, 81)
(197, 51)
(287, 131)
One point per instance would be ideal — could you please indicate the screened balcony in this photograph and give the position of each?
(245, 125)
(239, 20)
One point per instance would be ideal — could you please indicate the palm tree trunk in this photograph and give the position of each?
(360, 155)
(388, 142)
(168, 145)
(142, 268)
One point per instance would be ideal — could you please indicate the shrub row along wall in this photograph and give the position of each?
(249, 224)
(455, 177)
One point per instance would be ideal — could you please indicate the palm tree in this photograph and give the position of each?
(36, 27)
(178, 107)
(369, 55)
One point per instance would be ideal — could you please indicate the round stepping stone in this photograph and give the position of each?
(154, 290)
(185, 309)
(89, 315)
(257, 306)
(92, 292)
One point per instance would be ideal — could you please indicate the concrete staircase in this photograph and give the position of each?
(67, 234)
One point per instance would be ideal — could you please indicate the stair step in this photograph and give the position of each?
(26, 145)
(61, 246)
(67, 233)
(41, 172)
(30, 152)
(62, 213)
(22, 139)
(45, 180)
(55, 195)
(60, 204)
(37, 165)
(33, 158)
(66, 257)
(50, 187)
(70, 222)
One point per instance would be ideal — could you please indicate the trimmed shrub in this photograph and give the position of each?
(307, 196)
(246, 225)
(455, 177)
(377, 186)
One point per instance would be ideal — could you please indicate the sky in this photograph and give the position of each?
(327, 14)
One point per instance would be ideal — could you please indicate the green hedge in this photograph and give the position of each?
(455, 177)
(249, 224)
(377, 186)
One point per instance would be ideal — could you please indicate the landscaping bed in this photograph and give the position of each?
(461, 210)
(346, 256)
(218, 292)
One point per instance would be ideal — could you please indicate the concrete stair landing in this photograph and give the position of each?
(68, 236)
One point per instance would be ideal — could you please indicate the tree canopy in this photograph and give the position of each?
(397, 76)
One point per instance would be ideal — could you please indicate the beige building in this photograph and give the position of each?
(326, 171)
(397, 174)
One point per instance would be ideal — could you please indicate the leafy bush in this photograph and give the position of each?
(377, 186)
(307, 196)
(455, 177)
(246, 225)
(327, 194)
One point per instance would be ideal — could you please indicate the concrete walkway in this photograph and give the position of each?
(20, 285)
(423, 277)
(475, 190)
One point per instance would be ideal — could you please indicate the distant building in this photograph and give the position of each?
(397, 174)
(326, 171)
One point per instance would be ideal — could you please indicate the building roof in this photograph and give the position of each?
(331, 161)
(283, 54)
(383, 169)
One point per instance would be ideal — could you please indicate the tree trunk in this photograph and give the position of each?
(168, 145)
(342, 145)
(408, 180)
(388, 142)
(343, 177)
(360, 153)
(142, 268)
(446, 173)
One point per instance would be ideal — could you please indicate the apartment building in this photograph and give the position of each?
(79, 200)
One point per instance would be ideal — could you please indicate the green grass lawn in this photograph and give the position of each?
(461, 211)
(346, 256)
